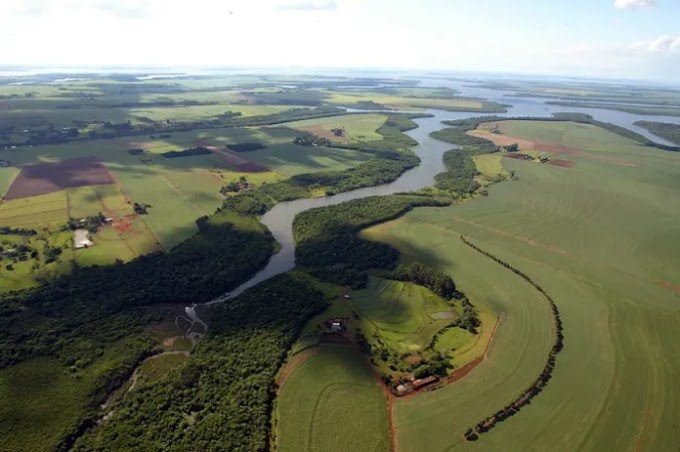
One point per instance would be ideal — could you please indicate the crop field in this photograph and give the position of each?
(397, 102)
(7, 175)
(49, 210)
(358, 128)
(605, 247)
(332, 402)
(43, 178)
(405, 316)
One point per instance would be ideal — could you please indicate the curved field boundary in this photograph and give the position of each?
(472, 434)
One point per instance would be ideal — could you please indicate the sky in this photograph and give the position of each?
(603, 38)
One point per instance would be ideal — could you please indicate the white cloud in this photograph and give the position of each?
(307, 5)
(628, 4)
(666, 43)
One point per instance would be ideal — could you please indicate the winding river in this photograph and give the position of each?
(280, 218)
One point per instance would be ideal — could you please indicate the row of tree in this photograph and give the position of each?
(200, 150)
(542, 380)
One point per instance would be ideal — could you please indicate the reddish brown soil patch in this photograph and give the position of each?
(122, 226)
(45, 178)
(414, 359)
(562, 163)
(504, 140)
(295, 362)
(237, 161)
(668, 285)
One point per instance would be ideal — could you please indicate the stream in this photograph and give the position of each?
(279, 220)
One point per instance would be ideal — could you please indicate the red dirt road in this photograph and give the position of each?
(46, 178)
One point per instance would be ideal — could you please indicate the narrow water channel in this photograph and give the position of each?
(280, 218)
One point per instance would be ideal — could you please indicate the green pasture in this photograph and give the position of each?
(291, 159)
(602, 240)
(402, 314)
(49, 210)
(358, 128)
(332, 402)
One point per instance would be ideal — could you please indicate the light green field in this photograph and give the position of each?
(453, 339)
(90, 200)
(48, 210)
(490, 165)
(603, 240)
(332, 402)
(402, 313)
(405, 103)
(7, 175)
(357, 127)
(291, 159)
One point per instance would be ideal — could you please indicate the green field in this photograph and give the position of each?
(358, 128)
(601, 239)
(332, 402)
(401, 102)
(404, 315)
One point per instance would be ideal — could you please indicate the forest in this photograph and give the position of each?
(78, 316)
(222, 399)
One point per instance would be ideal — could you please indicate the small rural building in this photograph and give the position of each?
(81, 240)
(422, 382)
(108, 220)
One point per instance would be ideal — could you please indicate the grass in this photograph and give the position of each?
(453, 339)
(603, 242)
(90, 200)
(291, 159)
(358, 128)
(332, 402)
(401, 313)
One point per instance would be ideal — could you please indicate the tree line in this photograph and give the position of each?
(426, 276)
(542, 380)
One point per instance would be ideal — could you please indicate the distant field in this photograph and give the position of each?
(355, 98)
(332, 402)
(601, 238)
(357, 127)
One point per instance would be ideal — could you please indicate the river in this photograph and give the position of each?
(280, 218)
